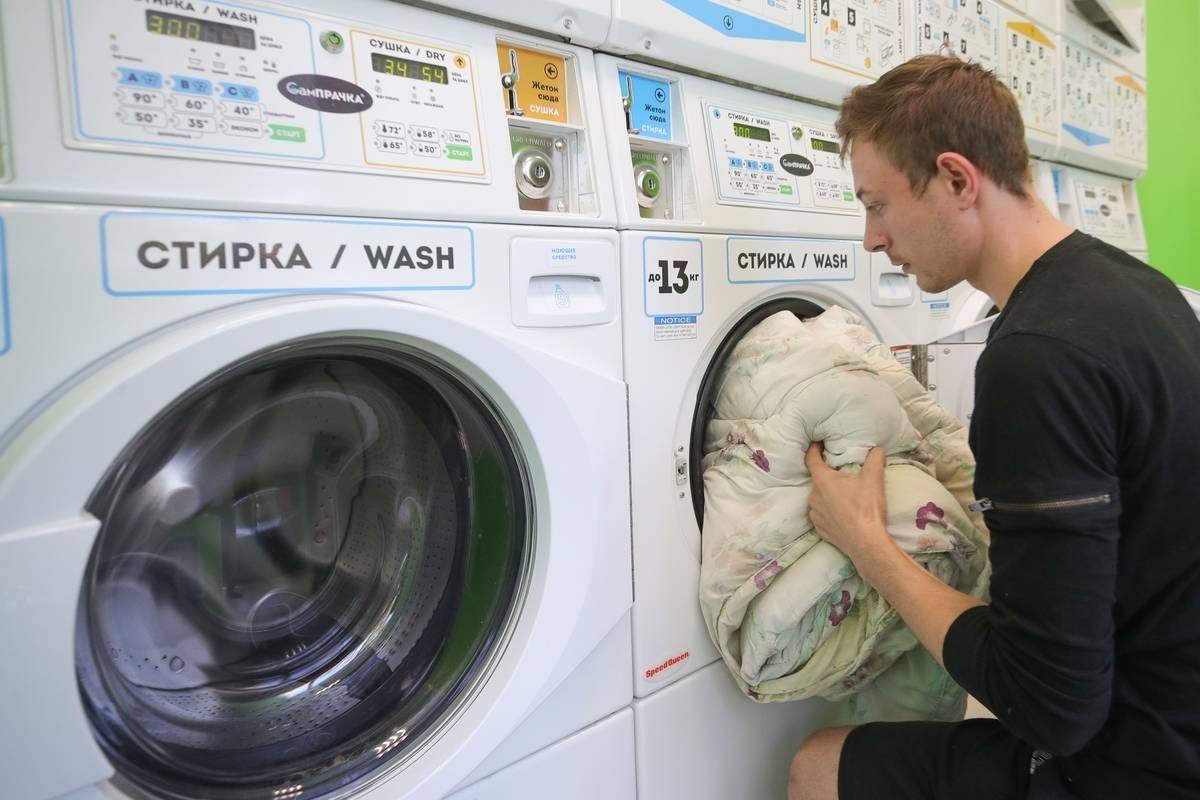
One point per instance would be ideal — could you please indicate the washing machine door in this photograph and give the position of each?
(310, 532)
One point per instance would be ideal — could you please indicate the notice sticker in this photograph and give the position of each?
(937, 304)
(674, 328)
(539, 82)
(164, 254)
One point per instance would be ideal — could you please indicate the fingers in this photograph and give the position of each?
(875, 462)
(814, 460)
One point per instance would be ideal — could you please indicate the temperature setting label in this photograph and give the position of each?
(201, 76)
(762, 160)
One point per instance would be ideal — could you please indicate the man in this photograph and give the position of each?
(1086, 436)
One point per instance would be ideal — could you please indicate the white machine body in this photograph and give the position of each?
(747, 203)
(216, 180)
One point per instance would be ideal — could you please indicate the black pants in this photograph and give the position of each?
(976, 759)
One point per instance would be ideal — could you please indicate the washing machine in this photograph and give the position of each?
(313, 396)
(733, 204)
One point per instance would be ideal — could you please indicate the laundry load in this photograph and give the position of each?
(788, 612)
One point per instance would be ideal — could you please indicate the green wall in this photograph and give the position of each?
(1170, 192)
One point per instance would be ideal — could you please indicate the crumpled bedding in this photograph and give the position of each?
(787, 611)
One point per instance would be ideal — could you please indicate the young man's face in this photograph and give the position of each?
(919, 232)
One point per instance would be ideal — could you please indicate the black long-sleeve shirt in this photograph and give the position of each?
(1086, 434)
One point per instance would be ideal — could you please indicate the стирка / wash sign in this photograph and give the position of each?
(202, 254)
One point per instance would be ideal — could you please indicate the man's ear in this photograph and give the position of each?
(961, 178)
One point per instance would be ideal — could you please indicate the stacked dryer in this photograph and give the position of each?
(313, 389)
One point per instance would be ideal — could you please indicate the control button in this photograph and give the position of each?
(139, 77)
(140, 98)
(237, 91)
(389, 145)
(185, 84)
(144, 117)
(751, 164)
(332, 42)
(736, 163)
(458, 152)
(242, 110)
(422, 133)
(287, 133)
(456, 137)
(767, 166)
(387, 128)
(247, 129)
(535, 173)
(648, 183)
(195, 124)
(194, 105)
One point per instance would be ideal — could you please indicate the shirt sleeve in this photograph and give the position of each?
(1045, 434)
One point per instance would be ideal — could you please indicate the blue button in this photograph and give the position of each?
(767, 166)
(236, 91)
(751, 164)
(736, 163)
(190, 85)
(139, 77)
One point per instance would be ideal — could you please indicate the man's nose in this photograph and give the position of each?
(874, 239)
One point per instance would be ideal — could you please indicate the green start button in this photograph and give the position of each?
(459, 152)
(287, 133)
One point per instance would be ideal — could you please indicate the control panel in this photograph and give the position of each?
(866, 39)
(1102, 209)
(1103, 205)
(265, 82)
(424, 116)
(969, 31)
(549, 145)
(205, 78)
(760, 159)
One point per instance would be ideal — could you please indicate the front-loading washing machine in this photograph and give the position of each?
(313, 394)
(733, 205)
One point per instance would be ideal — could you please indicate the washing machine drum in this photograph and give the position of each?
(303, 566)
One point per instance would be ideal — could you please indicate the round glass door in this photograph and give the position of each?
(303, 567)
(803, 309)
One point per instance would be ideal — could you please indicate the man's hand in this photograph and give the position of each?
(849, 511)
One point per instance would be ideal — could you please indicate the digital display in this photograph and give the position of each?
(826, 146)
(200, 30)
(751, 132)
(403, 68)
